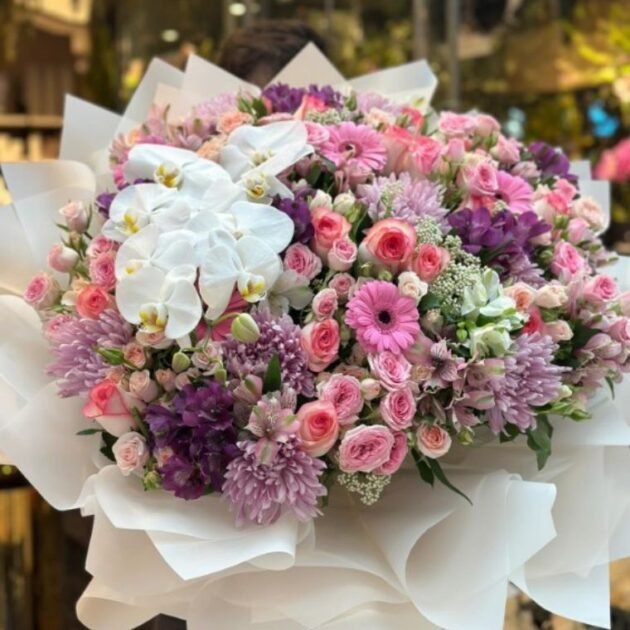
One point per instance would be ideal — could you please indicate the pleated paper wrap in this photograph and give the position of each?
(421, 558)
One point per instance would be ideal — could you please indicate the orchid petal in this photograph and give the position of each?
(219, 271)
(138, 289)
(258, 258)
(272, 226)
(184, 309)
(136, 251)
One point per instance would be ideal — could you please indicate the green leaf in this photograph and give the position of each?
(509, 433)
(111, 356)
(611, 385)
(426, 474)
(273, 377)
(582, 334)
(89, 431)
(436, 469)
(428, 302)
(361, 224)
(539, 440)
(108, 444)
(313, 174)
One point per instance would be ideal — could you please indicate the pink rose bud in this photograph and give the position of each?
(600, 289)
(156, 340)
(92, 300)
(344, 393)
(100, 245)
(141, 386)
(102, 270)
(398, 409)
(577, 230)
(551, 296)
(589, 210)
(432, 440)
(410, 285)
(455, 150)
(558, 330)
(134, 354)
(320, 342)
(619, 330)
(342, 255)
(370, 388)
(486, 125)
(321, 200)
(389, 244)
(430, 261)
(342, 284)
(397, 456)
(62, 258)
(42, 291)
(166, 378)
(482, 180)
(111, 407)
(319, 427)
(522, 294)
(329, 227)
(76, 216)
(365, 448)
(303, 260)
(325, 304)
(566, 262)
(131, 452)
(392, 370)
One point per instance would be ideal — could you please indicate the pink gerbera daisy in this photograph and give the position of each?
(355, 146)
(515, 192)
(383, 318)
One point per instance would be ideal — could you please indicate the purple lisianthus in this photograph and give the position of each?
(284, 98)
(198, 433)
(103, 203)
(551, 162)
(298, 211)
(501, 240)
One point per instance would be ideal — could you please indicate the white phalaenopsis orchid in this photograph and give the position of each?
(134, 207)
(174, 168)
(161, 302)
(151, 248)
(269, 149)
(248, 264)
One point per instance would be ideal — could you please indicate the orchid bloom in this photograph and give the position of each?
(150, 248)
(133, 208)
(247, 263)
(174, 168)
(161, 302)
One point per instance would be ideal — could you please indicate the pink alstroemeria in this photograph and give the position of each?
(273, 425)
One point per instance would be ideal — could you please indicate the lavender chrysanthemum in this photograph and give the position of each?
(373, 100)
(77, 365)
(404, 198)
(278, 336)
(198, 432)
(530, 380)
(260, 492)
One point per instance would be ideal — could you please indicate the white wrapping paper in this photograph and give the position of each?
(420, 559)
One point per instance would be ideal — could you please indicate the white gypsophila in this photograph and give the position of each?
(247, 264)
(160, 301)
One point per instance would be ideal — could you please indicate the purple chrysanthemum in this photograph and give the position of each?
(260, 492)
(404, 198)
(298, 211)
(530, 380)
(198, 433)
(77, 365)
(278, 336)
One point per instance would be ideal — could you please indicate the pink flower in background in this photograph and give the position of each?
(355, 146)
(398, 408)
(42, 291)
(344, 393)
(396, 457)
(567, 262)
(481, 179)
(452, 124)
(309, 103)
(320, 342)
(558, 330)
(577, 231)
(92, 300)
(486, 125)
(365, 448)
(392, 370)
(383, 318)
(506, 150)
(614, 164)
(515, 192)
(316, 134)
(112, 407)
(432, 440)
(303, 260)
(389, 243)
(565, 189)
(319, 427)
(102, 270)
(76, 216)
(619, 330)
(99, 245)
(600, 289)
(588, 209)
(407, 151)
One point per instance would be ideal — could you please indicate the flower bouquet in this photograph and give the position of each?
(317, 344)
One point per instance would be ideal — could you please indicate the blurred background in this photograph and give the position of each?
(555, 70)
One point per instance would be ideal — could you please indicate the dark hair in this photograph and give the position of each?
(257, 53)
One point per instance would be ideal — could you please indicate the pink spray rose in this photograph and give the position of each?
(365, 448)
(486, 125)
(131, 452)
(396, 457)
(619, 330)
(342, 284)
(42, 291)
(55, 325)
(408, 151)
(232, 120)
(522, 294)
(551, 295)
(430, 261)
(482, 180)
(506, 150)
(319, 427)
(452, 124)
(577, 230)
(111, 407)
(392, 370)
(600, 289)
(303, 260)
(329, 227)
(325, 304)
(141, 386)
(62, 258)
(75, 215)
(99, 245)
(103, 270)
(92, 300)
(342, 254)
(389, 243)
(567, 261)
(588, 209)
(398, 408)
(133, 353)
(558, 330)
(432, 440)
(320, 342)
(344, 393)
